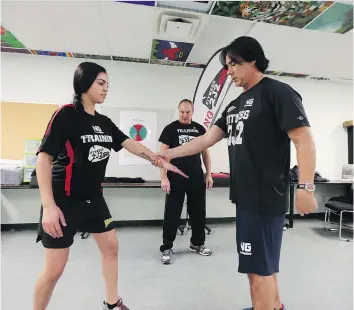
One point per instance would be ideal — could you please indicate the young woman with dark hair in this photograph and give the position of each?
(70, 168)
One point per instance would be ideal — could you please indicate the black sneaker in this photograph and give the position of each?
(166, 257)
(200, 249)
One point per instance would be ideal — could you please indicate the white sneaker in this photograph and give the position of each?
(201, 249)
(120, 305)
(166, 257)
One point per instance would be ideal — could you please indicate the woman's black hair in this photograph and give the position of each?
(245, 49)
(85, 74)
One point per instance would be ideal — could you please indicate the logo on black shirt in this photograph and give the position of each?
(188, 130)
(97, 129)
(96, 138)
(249, 103)
(98, 153)
(184, 139)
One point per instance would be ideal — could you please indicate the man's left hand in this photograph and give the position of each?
(209, 181)
(305, 202)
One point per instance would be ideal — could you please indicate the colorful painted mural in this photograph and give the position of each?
(290, 13)
(296, 75)
(130, 59)
(166, 62)
(147, 3)
(195, 65)
(91, 56)
(169, 50)
(51, 53)
(9, 40)
(269, 72)
(15, 50)
(338, 18)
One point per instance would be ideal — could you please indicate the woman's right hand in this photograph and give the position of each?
(50, 221)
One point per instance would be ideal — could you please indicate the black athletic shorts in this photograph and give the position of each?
(91, 216)
(259, 239)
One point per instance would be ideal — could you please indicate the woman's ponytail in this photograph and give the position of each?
(77, 102)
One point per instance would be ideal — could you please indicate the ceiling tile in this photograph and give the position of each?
(218, 32)
(57, 26)
(289, 13)
(78, 25)
(172, 51)
(128, 28)
(305, 52)
(28, 24)
(337, 19)
(196, 20)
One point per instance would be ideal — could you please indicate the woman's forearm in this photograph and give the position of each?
(44, 179)
(139, 149)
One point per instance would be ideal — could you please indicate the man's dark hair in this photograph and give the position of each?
(85, 74)
(245, 49)
(185, 100)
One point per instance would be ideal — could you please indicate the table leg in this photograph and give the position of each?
(291, 209)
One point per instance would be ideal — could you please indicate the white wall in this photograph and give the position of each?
(43, 79)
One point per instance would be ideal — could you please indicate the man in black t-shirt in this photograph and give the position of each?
(178, 133)
(259, 126)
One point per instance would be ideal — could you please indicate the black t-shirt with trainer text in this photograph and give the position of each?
(256, 126)
(80, 144)
(176, 134)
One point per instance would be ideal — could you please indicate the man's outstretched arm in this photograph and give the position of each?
(197, 145)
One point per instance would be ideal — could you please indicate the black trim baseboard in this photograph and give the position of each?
(152, 223)
(133, 223)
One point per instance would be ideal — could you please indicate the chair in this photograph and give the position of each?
(187, 227)
(338, 206)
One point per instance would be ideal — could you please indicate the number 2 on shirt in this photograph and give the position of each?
(235, 137)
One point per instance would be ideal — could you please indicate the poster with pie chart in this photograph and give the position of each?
(140, 126)
(138, 132)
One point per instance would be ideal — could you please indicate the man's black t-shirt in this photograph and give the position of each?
(256, 126)
(80, 144)
(176, 134)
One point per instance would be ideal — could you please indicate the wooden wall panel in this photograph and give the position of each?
(21, 121)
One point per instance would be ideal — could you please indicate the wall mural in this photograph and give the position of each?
(166, 62)
(15, 50)
(130, 59)
(9, 40)
(91, 56)
(338, 19)
(169, 50)
(50, 53)
(148, 3)
(296, 75)
(290, 13)
(195, 65)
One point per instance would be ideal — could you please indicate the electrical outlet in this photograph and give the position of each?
(323, 198)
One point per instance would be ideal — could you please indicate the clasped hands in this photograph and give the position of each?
(162, 160)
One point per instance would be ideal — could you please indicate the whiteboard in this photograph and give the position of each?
(148, 173)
